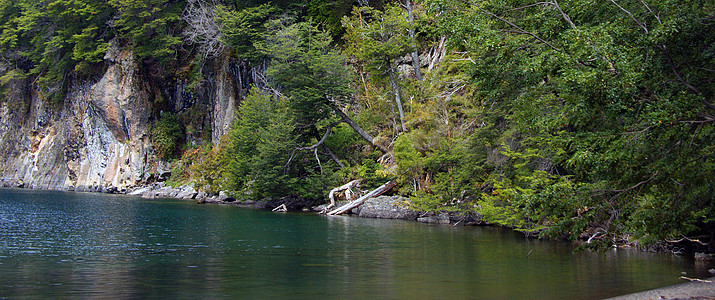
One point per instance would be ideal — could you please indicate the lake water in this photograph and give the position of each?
(56, 244)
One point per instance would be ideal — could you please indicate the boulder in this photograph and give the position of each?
(386, 207)
(201, 197)
(442, 218)
(139, 192)
(187, 193)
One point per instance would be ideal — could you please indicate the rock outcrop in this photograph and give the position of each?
(98, 138)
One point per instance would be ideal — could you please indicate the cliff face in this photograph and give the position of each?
(99, 138)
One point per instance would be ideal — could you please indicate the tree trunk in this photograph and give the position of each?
(347, 186)
(438, 54)
(357, 128)
(415, 55)
(353, 204)
(332, 156)
(398, 101)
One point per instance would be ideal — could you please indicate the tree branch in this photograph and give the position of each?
(322, 140)
(664, 49)
(641, 25)
(620, 192)
(357, 128)
(657, 17)
(563, 14)
(376, 192)
(313, 147)
(530, 5)
(522, 30)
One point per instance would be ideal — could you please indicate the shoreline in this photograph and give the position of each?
(696, 289)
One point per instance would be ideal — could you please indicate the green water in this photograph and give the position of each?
(55, 244)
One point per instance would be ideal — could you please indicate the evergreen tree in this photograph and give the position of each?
(607, 117)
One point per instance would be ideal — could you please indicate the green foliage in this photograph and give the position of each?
(240, 29)
(329, 14)
(167, 136)
(377, 37)
(345, 143)
(603, 123)
(150, 27)
(47, 40)
(55, 41)
(579, 119)
(307, 69)
(258, 159)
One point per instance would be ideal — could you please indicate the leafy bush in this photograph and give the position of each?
(167, 136)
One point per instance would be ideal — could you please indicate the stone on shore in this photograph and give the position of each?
(386, 207)
(187, 193)
(442, 218)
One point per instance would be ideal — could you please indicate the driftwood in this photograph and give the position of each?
(686, 239)
(696, 280)
(281, 208)
(345, 187)
(353, 204)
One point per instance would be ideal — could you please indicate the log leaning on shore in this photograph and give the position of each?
(355, 203)
(348, 192)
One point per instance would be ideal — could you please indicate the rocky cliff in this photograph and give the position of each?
(99, 137)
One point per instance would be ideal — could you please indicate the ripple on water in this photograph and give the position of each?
(99, 246)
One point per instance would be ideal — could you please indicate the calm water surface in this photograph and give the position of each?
(55, 244)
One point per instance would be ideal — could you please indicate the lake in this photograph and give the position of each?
(61, 244)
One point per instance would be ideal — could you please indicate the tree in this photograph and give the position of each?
(411, 28)
(149, 27)
(313, 75)
(49, 40)
(240, 29)
(258, 147)
(167, 136)
(378, 38)
(597, 101)
(202, 27)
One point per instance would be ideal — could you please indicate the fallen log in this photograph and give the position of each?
(353, 204)
(280, 208)
(345, 187)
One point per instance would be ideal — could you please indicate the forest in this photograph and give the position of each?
(575, 120)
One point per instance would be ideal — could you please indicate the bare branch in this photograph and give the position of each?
(696, 279)
(687, 239)
(314, 148)
(322, 140)
(657, 17)
(641, 25)
(620, 192)
(563, 14)
(680, 78)
(530, 5)
(348, 193)
(202, 29)
(522, 30)
(357, 129)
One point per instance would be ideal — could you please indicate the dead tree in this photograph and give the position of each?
(348, 192)
(202, 29)
(353, 204)
(415, 55)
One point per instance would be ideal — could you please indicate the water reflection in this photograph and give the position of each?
(66, 244)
